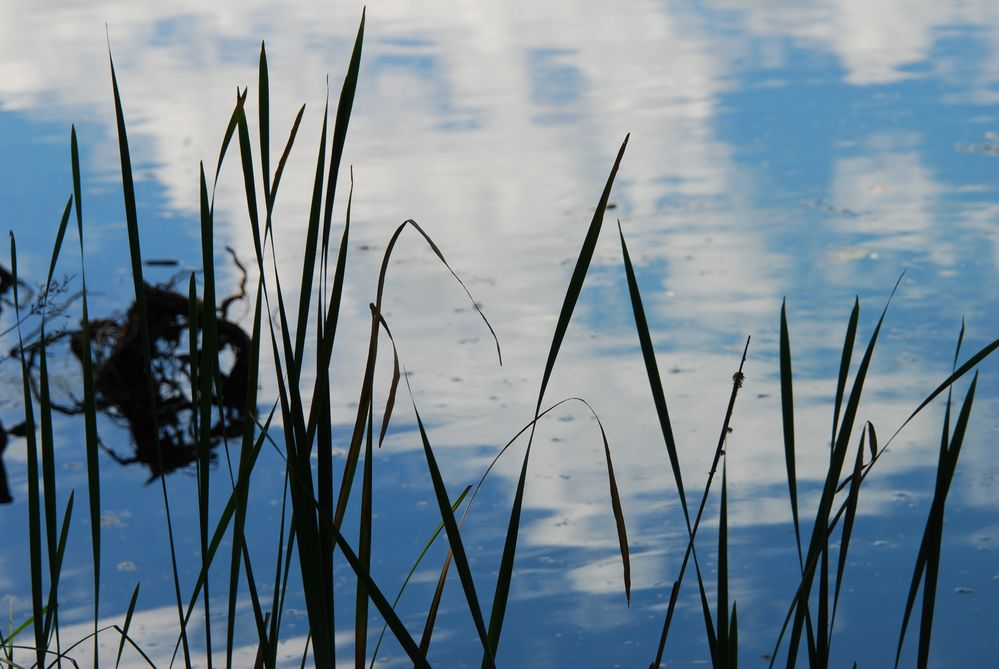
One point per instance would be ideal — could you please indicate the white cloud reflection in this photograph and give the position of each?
(494, 125)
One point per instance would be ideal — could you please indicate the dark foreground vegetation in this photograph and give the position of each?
(157, 369)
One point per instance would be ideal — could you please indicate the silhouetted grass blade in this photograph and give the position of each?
(933, 531)
(934, 525)
(819, 539)
(733, 639)
(284, 155)
(263, 117)
(412, 570)
(47, 440)
(367, 384)
(957, 374)
(245, 469)
(311, 241)
(454, 536)
(132, 224)
(787, 418)
(844, 365)
(230, 131)
(737, 380)
(127, 624)
(206, 374)
(222, 525)
(343, 110)
(89, 397)
(568, 306)
(55, 560)
(851, 513)
(364, 548)
(615, 497)
(34, 510)
(721, 652)
(659, 398)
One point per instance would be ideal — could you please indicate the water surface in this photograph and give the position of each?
(813, 153)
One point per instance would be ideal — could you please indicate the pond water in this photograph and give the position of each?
(775, 151)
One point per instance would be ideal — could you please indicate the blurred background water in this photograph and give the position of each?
(776, 150)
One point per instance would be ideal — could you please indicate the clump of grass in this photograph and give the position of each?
(312, 530)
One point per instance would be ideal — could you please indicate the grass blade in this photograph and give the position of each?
(787, 416)
(721, 652)
(206, 374)
(364, 550)
(263, 109)
(568, 306)
(89, 398)
(453, 536)
(662, 412)
(343, 110)
(844, 366)
(851, 513)
(737, 380)
(47, 442)
(132, 223)
(127, 624)
(934, 525)
(34, 510)
(412, 570)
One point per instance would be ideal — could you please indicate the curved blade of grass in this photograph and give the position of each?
(132, 223)
(970, 364)
(453, 535)
(435, 604)
(439, 592)
(353, 451)
(128, 623)
(444, 504)
(505, 575)
(412, 570)
(390, 401)
(615, 498)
